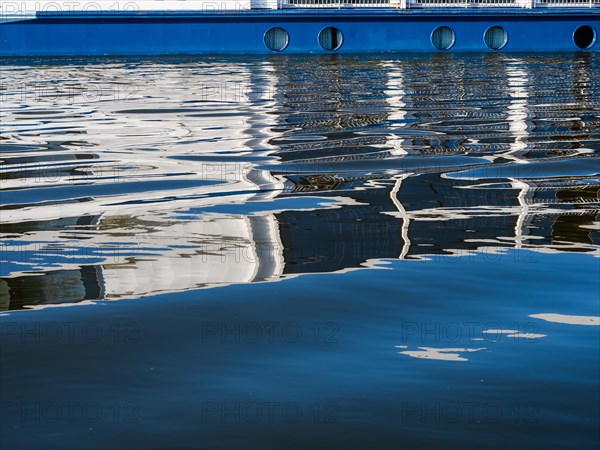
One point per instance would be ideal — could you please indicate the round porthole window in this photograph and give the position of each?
(443, 38)
(584, 36)
(495, 37)
(276, 39)
(330, 38)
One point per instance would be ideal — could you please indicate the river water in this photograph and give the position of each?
(336, 252)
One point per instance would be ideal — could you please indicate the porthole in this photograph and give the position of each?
(443, 38)
(584, 36)
(330, 38)
(495, 37)
(276, 39)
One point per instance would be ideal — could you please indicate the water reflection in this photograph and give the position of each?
(125, 178)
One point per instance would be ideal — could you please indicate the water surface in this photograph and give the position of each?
(341, 252)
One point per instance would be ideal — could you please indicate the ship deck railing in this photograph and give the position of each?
(427, 4)
(10, 10)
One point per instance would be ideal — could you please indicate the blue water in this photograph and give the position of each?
(356, 252)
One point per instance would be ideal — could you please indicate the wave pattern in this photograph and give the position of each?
(123, 178)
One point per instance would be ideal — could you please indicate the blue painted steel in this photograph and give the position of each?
(231, 32)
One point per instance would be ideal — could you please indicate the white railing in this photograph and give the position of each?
(339, 3)
(417, 4)
(22, 9)
(552, 3)
(464, 3)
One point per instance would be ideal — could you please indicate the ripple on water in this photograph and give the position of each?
(500, 152)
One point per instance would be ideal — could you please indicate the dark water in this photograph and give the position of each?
(280, 253)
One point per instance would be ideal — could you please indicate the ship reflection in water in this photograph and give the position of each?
(130, 180)
(410, 243)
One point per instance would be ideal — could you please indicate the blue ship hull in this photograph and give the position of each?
(243, 32)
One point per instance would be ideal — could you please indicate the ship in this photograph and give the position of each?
(191, 27)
